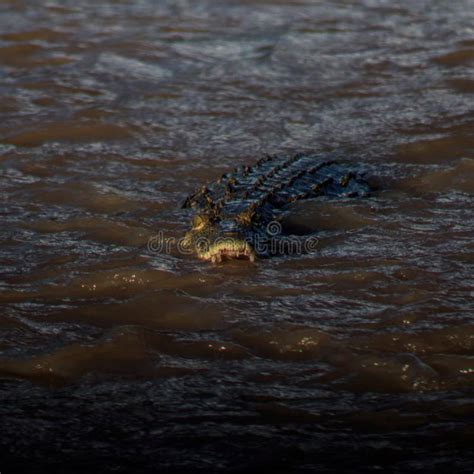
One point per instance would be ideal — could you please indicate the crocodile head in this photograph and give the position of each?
(216, 239)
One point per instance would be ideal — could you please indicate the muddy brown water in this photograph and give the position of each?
(358, 357)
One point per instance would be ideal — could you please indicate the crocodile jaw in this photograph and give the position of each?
(227, 249)
(221, 240)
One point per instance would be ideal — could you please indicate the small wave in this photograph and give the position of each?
(122, 66)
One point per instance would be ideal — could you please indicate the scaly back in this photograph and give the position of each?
(261, 191)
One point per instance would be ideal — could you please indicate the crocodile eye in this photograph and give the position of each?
(196, 221)
(200, 221)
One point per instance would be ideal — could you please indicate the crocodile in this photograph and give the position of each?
(237, 216)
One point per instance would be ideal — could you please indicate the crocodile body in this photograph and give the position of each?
(235, 211)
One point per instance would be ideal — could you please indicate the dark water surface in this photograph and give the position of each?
(359, 357)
